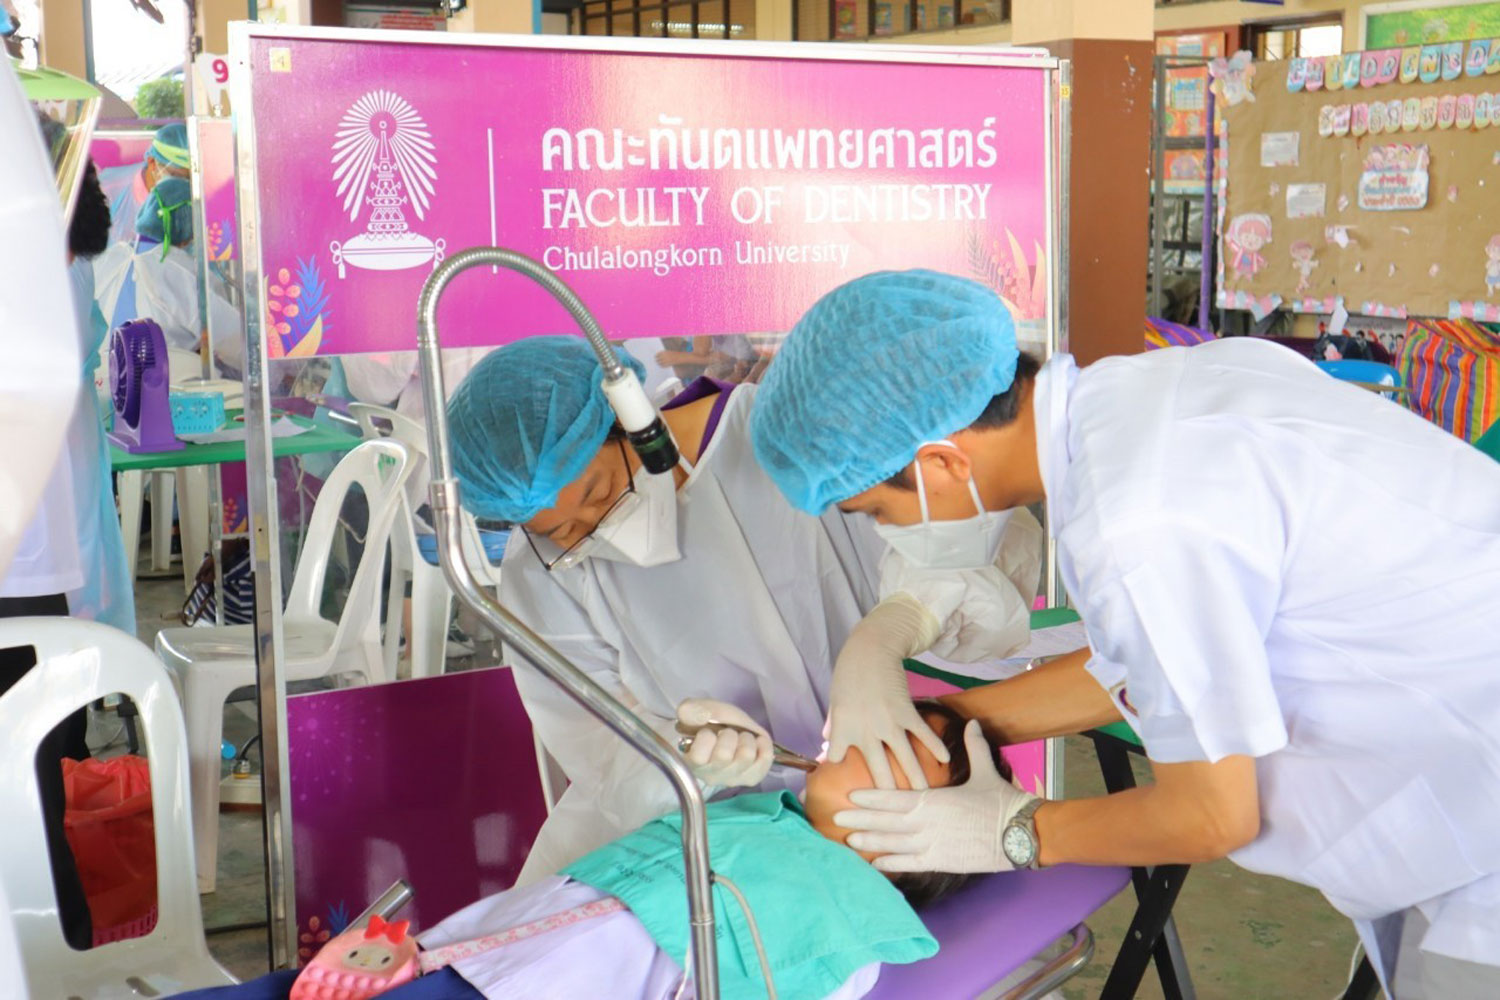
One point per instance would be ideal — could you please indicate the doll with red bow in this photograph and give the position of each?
(361, 962)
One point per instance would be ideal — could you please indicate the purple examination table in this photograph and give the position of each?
(991, 928)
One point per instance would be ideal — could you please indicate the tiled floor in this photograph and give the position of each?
(1247, 937)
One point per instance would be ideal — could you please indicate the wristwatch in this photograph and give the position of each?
(1018, 840)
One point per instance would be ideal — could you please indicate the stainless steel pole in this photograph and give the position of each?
(444, 499)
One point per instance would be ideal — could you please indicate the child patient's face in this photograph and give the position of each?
(828, 786)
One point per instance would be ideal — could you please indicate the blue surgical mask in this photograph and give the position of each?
(968, 543)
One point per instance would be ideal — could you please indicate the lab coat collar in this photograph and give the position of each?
(1049, 401)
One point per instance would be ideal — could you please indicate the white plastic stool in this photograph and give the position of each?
(79, 662)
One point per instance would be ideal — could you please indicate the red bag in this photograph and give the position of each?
(110, 830)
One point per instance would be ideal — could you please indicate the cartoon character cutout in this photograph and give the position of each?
(1246, 236)
(1232, 76)
(361, 962)
(1304, 262)
(1492, 266)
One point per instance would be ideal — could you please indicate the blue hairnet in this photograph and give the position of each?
(874, 369)
(170, 202)
(169, 146)
(526, 422)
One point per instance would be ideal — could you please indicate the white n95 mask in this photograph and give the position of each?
(969, 543)
(643, 533)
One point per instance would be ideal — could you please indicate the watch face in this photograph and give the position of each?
(1018, 846)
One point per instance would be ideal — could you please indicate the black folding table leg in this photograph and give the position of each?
(1143, 935)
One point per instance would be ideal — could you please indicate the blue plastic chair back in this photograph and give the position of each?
(1371, 372)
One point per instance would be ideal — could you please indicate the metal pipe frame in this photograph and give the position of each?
(445, 497)
(1056, 972)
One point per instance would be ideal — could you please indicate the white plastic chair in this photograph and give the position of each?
(79, 662)
(211, 663)
(431, 600)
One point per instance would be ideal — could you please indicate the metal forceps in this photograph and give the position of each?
(780, 754)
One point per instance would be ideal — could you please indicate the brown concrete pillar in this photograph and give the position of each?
(1110, 45)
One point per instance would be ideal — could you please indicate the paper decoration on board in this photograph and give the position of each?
(1494, 64)
(1453, 192)
(1333, 72)
(1480, 311)
(1260, 306)
(1429, 113)
(1304, 260)
(1479, 57)
(1306, 201)
(1343, 202)
(1432, 272)
(1411, 58)
(1382, 310)
(1453, 60)
(1394, 178)
(1464, 115)
(1393, 115)
(1232, 77)
(1376, 123)
(1492, 266)
(1352, 63)
(1338, 235)
(1483, 110)
(1390, 64)
(1341, 117)
(1314, 74)
(1432, 63)
(1296, 75)
(1447, 110)
(1338, 320)
(1410, 114)
(1359, 119)
(1246, 236)
(1369, 68)
(1274, 190)
(1279, 149)
(1325, 305)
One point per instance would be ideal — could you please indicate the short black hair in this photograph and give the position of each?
(998, 412)
(925, 888)
(88, 232)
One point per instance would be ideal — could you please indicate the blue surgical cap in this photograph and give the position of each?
(526, 422)
(170, 203)
(169, 146)
(875, 369)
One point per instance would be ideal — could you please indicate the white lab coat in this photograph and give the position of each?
(39, 379)
(166, 290)
(1276, 564)
(754, 614)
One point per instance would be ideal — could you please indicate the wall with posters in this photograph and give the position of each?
(1369, 180)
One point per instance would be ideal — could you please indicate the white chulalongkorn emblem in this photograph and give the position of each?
(384, 157)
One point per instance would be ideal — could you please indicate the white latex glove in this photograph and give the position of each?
(955, 829)
(869, 702)
(727, 755)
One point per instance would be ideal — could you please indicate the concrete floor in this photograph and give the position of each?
(1247, 937)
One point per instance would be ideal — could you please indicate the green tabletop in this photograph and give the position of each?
(318, 438)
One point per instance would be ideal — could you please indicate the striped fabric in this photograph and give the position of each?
(1453, 370)
(1162, 333)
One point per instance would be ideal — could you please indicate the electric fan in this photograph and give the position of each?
(140, 388)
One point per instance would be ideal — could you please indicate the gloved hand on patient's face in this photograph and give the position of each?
(870, 706)
(953, 829)
(729, 749)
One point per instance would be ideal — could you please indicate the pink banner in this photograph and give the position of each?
(677, 195)
(215, 138)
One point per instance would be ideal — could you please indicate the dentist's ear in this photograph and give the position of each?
(944, 468)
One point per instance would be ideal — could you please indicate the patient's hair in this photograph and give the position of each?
(925, 888)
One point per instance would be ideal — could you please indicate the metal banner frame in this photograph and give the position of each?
(265, 548)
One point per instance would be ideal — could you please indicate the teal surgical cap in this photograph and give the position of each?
(167, 210)
(526, 422)
(169, 146)
(875, 369)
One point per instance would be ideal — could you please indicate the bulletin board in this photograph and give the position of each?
(1329, 206)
